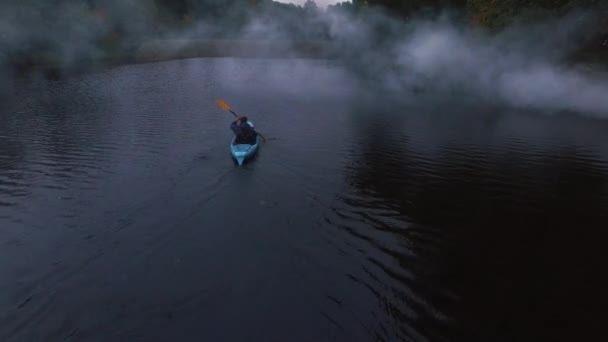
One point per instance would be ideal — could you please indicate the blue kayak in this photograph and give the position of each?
(244, 152)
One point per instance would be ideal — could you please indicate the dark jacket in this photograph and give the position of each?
(245, 134)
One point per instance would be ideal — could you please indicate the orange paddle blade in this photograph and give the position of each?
(222, 104)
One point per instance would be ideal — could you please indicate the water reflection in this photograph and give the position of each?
(424, 223)
(12, 185)
(474, 240)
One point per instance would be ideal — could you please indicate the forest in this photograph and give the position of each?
(69, 32)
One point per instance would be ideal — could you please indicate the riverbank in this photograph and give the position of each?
(167, 49)
(53, 64)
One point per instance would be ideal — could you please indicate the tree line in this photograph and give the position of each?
(489, 14)
(112, 27)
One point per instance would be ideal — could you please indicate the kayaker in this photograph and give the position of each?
(245, 134)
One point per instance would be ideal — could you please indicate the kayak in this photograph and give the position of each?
(244, 152)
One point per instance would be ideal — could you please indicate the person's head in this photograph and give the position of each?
(243, 119)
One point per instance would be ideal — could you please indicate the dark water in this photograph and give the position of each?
(122, 217)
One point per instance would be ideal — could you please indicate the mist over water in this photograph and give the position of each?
(523, 66)
(524, 69)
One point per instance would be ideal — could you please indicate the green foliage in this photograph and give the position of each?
(341, 6)
(406, 8)
(486, 13)
(495, 14)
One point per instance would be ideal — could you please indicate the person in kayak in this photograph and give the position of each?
(245, 134)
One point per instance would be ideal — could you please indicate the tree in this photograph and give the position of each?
(406, 8)
(311, 7)
(341, 6)
(496, 14)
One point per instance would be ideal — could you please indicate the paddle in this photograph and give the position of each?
(225, 107)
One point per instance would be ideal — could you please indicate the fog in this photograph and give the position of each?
(522, 66)
(320, 3)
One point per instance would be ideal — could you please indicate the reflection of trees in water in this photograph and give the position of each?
(515, 230)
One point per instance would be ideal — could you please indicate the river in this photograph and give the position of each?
(363, 218)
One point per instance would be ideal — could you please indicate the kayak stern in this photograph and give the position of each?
(243, 152)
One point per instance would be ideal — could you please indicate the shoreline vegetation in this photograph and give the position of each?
(108, 33)
(160, 50)
(169, 49)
